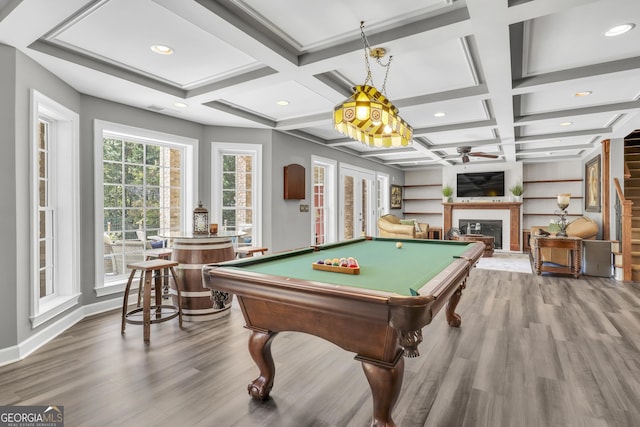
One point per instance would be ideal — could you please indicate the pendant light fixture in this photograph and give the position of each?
(367, 115)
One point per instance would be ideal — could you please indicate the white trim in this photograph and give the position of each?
(64, 179)
(189, 188)
(54, 307)
(330, 199)
(218, 148)
(383, 183)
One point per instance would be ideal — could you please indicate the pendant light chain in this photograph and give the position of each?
(367, 49)
(367, 54)
(367, 115)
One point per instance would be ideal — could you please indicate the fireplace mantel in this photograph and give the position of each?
(512, 207)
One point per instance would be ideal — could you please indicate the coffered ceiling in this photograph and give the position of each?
(505, 73)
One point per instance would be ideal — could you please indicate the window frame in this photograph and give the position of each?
(218, 149)
(189, 187)
(64, 190)
(330, 197)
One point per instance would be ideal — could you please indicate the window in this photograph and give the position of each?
(237, 191)
(55, 209)
(45, 211)
(143, 196)
(324, 202)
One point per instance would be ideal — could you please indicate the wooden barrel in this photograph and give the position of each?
(200, 303)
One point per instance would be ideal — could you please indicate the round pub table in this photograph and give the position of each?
(192, 252)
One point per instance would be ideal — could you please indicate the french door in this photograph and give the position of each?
(357, 202)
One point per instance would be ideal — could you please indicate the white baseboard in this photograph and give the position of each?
(23, 349)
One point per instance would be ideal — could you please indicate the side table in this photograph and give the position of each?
(572, 244)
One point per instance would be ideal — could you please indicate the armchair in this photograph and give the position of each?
(392, 227)
(151, 242)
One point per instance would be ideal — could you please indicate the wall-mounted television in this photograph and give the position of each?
(480, 184)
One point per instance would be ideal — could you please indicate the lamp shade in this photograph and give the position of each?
(369, 117)
(563, 200)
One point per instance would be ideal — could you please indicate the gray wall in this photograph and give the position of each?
(284, 226)
(29, 75)
(292, 227)
(8, 190)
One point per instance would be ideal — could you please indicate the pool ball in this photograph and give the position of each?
(328, 261)
(399, 245)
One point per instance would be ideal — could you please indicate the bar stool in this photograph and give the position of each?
(157, 253)
(248, 251)
(163, 312)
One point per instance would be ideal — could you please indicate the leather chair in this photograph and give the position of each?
(392, 227)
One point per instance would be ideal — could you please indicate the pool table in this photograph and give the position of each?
(377, 314)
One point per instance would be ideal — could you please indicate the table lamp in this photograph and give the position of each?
(563, 204)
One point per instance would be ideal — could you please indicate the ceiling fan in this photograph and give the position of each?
(465, 152)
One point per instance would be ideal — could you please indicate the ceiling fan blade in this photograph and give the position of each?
(489, 156)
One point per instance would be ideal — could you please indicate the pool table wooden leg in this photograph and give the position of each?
(454, 318)
(260, 350)
(385, 383)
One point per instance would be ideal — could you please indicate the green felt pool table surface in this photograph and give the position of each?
(383, 267)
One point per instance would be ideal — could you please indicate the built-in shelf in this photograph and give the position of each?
(548, 214)
(422, 185)
(423, 213)
(548, 181)
(549, 198)
(542, 199)
(423, 200)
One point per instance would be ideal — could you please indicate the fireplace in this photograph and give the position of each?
(486, 227)
(508, 212)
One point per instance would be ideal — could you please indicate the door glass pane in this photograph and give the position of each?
(348, 207)
(365, 208)
(319, 213)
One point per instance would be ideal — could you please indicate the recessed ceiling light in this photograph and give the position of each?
(566, 123)
(282, 103)
(180, 104)
(439, 114)
(162, 49)
(583, 93)
(619, 30)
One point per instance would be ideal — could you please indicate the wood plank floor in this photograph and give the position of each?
(532, 351)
